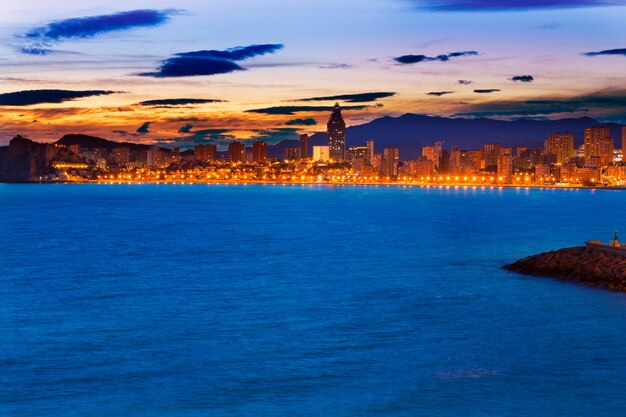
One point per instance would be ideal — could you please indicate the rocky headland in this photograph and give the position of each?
(580, 264)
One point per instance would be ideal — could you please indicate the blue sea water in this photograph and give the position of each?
(223, 300)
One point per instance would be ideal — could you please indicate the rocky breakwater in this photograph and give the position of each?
(581, 264)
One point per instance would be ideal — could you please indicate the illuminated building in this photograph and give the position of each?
(505, 167)
(470, 161)
(370, 151)
(490, 155)
(455, 161)
(559, 147)
(321, 153)
(236, 152)
(121, 155)
(259, 152)
(623, 142)
(439, 155)
(429, 153)
(519, 151)
(304, 146)
(391, 157)
(205, 152)
(589, 174)
(422, 168)
(336, 134)
(598, 142)
(358, 153)
(292, 154)
(542, 172)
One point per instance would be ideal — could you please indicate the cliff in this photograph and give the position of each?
(24, 160)
(578, 264)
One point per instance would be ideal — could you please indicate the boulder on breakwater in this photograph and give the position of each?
(581, 264)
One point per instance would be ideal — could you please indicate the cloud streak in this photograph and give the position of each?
(301, 122)
(291, 110)
(414, 59)
(40, 40)
(179, 102)
(523, 78)
(509, 5)
(352, 98)
(29, 97)
(599, 103)
(487, 91)
(621, 51)
(209, 62)
(439, 93)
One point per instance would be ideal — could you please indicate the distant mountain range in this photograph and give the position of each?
(411, 131)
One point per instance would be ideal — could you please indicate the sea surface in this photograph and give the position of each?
(271, 300)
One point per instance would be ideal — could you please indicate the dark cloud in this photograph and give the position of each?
(503, 5)
(523, 78)
(179, 101)
(621, 51)
(301, 122)
(601, 104)
(28, 97)
(219, 137)
(464, 82)
(439, 93)
(277, 134)
(414, 59)
(186, 128)
(41, 39)
(210, 62)
(487, 91)
(291, 110)
(144, 128)
(351, 98)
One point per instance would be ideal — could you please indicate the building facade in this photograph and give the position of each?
(336, 134)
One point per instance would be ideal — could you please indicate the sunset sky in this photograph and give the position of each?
(194, 71)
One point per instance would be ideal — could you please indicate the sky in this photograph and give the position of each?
(190, 72)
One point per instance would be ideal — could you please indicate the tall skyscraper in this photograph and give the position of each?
(455, 160)
(336, 134)
(236, 152)
(259, 152)
(559, 147)
(304, 146)
(623, 142)
(598, 142)
(205, 152)
(391, 157)
(370, 151)
(505, 168)
(439, 155)
(491, 151)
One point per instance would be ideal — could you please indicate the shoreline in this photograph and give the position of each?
(375, 184)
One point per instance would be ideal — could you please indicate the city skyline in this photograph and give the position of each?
(251, 78)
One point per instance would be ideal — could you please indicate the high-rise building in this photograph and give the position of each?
(336, 134)
(121, 155)
(358, 153)
(391, 157)
(624, 143)
(429, 153)
(505, 168)
(470, 162)
(422, 168)
(559, 147)
(439, 164)
(321, 153)
(259, 152)
(292, 153)
(205, 152)
(598, 142)
(491, 151)
(304, 146)
(370, 152)
(236, 152)
(455, 160)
